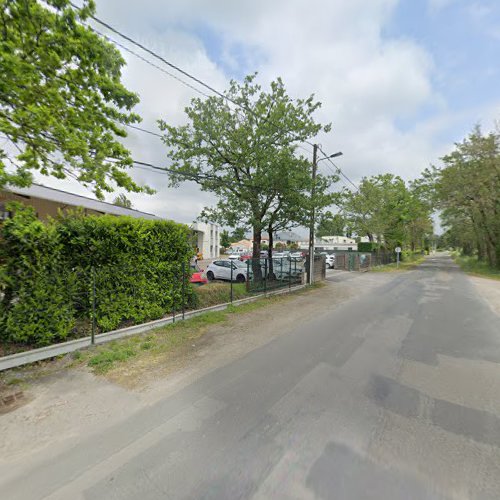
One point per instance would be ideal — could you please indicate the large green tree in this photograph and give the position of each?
(247, 155)
(331, 225)
(388, 211)
(62, 103)
(467, 190)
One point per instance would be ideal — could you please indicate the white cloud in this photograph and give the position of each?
(368, 83)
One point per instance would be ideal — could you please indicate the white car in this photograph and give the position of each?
(330, 261)
(279, 255)
(221, 270)
(234, 256)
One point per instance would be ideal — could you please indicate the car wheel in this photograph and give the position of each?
(240, 278)
(210, 276)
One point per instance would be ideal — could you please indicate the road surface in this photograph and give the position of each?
(393, 395)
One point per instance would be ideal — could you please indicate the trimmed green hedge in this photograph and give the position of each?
(367, 246)
(48, 272)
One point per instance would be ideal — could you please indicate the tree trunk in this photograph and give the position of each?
(256, 269)
(270, 252)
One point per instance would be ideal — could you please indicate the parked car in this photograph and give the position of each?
(279, 255)
(197, 277)
(221, 270)
(234, 256)
(330, 261)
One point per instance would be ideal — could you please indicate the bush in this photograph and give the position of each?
(367, 246)
(48, 271)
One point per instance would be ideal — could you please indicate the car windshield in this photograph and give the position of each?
(238, 263)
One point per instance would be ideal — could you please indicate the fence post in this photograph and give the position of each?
(231, 290)
(183, 289)
(92, 336)
(290, 273)
(265, 275)
(173, 297)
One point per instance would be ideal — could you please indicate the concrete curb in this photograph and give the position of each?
(24, 358)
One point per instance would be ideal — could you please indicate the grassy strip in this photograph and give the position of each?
(212, 294)
(476, 268)
(104, 358)
(409, 263)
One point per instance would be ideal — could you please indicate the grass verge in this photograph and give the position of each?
(212, 294)
(476, 268)
(409, 263)
(156, 344)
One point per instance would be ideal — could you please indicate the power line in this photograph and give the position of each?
(147, 61)
(143, 130)
(339, 170)
(171, 65)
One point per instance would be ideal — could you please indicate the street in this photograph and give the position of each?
(391, 395)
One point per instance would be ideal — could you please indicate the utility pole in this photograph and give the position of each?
(313, 214)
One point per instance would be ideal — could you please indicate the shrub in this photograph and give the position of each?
(48, 272)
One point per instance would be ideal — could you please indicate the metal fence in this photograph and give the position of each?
(271, 274)
(360, 261)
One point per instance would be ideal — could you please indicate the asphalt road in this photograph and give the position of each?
(393, 395)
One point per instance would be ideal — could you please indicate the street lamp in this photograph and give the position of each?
(313, 209)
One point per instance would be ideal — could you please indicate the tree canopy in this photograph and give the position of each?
(62, 103)
(388, 211)
(467, 190)
(247, 156)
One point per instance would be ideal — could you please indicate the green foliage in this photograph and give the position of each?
(219, 293)
(36, 286)
(388, 212)
(467, 191)
(122, 201)
(104, 360)
(367, 246)
(331, 225)
(247, 157)
(225, 239)
(47, 271)
(62, 103)
(474, 266)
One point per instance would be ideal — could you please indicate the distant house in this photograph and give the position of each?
(336, 243)
(242, 246)
(48, 202)
(331, 243)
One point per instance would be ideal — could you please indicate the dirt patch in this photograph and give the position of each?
(489, 290)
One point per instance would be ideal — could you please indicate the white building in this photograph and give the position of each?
(331, 243)
(208, 239)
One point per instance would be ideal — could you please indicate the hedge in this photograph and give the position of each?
(48, 272)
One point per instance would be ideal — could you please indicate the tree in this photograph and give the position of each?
(225, 239)
(331, 225)
(466, 189)
(122, 201)
(238, 234)
(387, 211)
(242, 154)
(62, 103)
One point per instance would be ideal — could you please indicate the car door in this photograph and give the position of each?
(225, 270)
(218, 269)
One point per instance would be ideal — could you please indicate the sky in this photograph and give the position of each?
(400, 81)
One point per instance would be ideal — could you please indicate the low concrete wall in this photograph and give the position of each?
(24, 358)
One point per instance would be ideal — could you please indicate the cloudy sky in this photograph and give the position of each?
(400, 81)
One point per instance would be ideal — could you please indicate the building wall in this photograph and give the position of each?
(208, 239)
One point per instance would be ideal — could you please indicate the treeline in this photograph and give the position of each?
(389, 211)
(467, 190)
